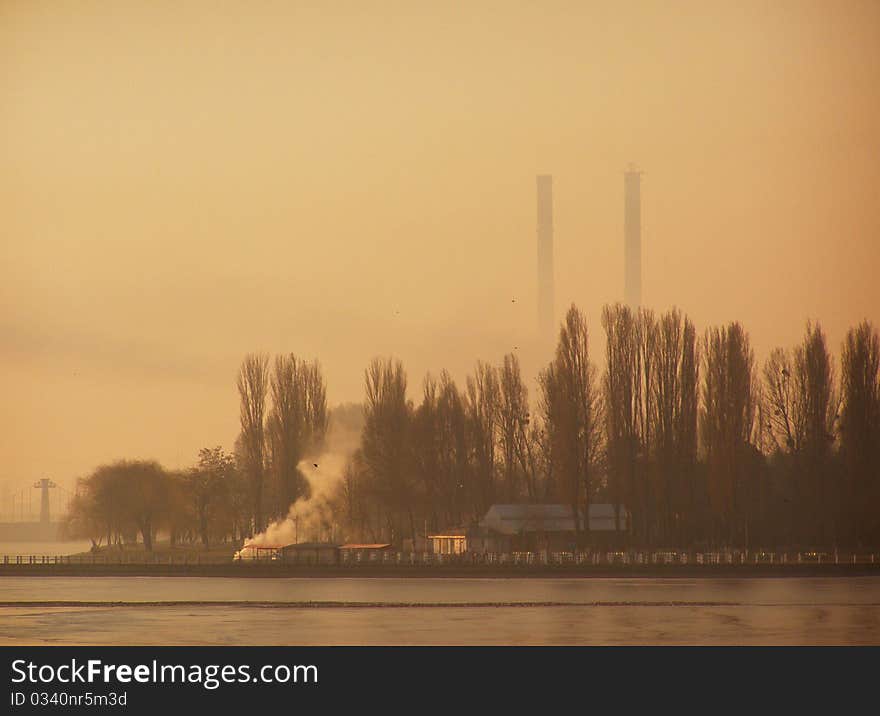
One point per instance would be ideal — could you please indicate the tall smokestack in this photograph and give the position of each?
(545, 254)
(632, 236)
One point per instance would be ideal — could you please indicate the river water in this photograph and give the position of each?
(293, 611)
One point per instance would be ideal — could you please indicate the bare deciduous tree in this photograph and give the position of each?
(482, 409)
(801, 404)
(455, 470)
(513, 415)
(860, 434)
(621, 397)
(296, 426)
(209, 490)
(674, 398)
(726, 426)
(253, 384)
(386, 444)
(815, 372)
(572, 416)
(127, 497)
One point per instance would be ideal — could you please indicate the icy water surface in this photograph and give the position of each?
(178, 610)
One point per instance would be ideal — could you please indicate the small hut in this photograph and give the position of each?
(310, 553)
(364, 552)
(258, 553)
(453, 540)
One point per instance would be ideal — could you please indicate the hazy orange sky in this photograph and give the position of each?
(184, 182)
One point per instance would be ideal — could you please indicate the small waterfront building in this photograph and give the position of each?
(364, 552)
(475, 539)
(481, 539)
(310, 553)
(533, 527)
(449, 541)
(608, 526)
(530, 528)
(603, 518)
(258, 553)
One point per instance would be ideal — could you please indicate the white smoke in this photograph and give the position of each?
(312, 520)
(307, 520)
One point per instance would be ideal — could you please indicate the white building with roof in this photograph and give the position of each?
(522, 518)
(530, 527)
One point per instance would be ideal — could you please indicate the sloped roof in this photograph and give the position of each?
(602, 517)
(311, 545)
(522, 511)
(262, 546)
(512, 519)
(449, 532)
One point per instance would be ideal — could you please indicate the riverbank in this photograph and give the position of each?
(445, 571)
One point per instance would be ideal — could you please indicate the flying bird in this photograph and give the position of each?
(315, 464)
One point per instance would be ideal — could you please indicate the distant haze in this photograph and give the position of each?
(185, 182)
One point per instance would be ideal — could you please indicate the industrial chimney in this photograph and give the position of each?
(632, 236)
(545, 255)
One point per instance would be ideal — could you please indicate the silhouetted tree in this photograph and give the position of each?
(482, 409)
(801, 410)
(620, 395)
(455, 470)
(122, 499)
(253, 383)
(94, 512)
(674, 400)
(425, 446)
(297, 425)
(210, 486)
(385, 444)
(815, 373)
(860, 434)
(572, 415)
(147, 496)
(513, 415)
(726, 426)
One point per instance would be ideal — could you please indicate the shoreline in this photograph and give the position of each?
(452, 571)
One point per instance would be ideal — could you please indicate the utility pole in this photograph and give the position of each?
(44, 486)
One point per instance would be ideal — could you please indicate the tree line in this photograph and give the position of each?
(683, 434)
(688, 439)
(225, 497)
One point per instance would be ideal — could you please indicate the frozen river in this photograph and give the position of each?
(179, 610)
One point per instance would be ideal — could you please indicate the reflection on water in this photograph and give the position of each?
(442, 625)
(787, 591)
(629, 611)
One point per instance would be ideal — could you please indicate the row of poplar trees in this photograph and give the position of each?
(283, 415)
(690, 441)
